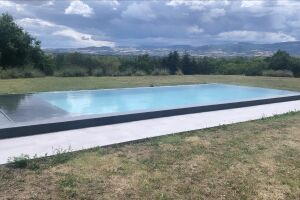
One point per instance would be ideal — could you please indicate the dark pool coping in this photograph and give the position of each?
(70, 123)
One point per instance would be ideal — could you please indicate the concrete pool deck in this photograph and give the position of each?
(79, 139)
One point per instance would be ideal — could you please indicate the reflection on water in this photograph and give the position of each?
(10, 103)
(139, 99)
(23, 108)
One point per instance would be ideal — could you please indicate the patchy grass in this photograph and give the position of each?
(76, 83)
(251, 160)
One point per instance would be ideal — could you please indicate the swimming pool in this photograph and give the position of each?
(154, 98)
(74, 109)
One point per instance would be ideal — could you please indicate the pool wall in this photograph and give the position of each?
(54, 125)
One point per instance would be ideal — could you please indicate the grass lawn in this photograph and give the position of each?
(76, 83)
(250, 160)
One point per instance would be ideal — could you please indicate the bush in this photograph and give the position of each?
(278, 73)
(140, 73)
(10, 73)
(27, 72)
(19, 162)
(252, 71)
(30, 72)
(296, 72)
(98, 72)
(160, 72)
(231, 69)
(295, 65)
(125, 73)
(178, 72)
(73, 71)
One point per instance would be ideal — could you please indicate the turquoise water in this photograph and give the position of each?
(154, 98)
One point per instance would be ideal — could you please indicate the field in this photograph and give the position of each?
(252, 160)
(76, 83)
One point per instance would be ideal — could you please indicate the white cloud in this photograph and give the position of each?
(195, 29)
(140, 11)
(197, 4)
(77, 7)
(113, 3)
(29, 22)
(81, 38)
(11, 5)
(256, 37)
(213, 14)
(251, 4)
(50, 30)
(6, 3)
(49, 3)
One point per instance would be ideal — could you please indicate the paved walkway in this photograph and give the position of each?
(111, 134)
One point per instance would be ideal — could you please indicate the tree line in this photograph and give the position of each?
(21, 56)
(280, 64)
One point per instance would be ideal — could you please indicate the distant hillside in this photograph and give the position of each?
(235, 49)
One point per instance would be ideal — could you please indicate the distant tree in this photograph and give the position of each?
(205, 65)
(59, 60)
(144, 63)
(255, 67)
(295, 66)
(279, 61)
(172, 62)
(187, 66)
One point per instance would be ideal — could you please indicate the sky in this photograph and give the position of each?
(83, 23)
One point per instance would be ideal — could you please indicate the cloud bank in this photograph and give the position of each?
(78, 23)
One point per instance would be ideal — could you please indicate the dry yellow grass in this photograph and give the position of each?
(252, 160)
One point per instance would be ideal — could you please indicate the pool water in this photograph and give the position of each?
(154, 98)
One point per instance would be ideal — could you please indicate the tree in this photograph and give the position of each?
(18, 48)
(144, 63)
(205, 66)
(186, 64)
(279, 61)
(295, 66)
(173, 62)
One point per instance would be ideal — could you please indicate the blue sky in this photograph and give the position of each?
(82, 23)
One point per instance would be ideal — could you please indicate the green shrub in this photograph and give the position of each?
(19, 162)
(255, 69)
(295, 65)
(178, 72)
(125, 73)
(278, 73)
(73, 71)
(30, 72)
(98, 72)
(128, 72)
(10, 73)
(61, 156)
(27, 72)
(253, 72)
(140, 73)
(231, 69)
(296, 72)
(160, 72)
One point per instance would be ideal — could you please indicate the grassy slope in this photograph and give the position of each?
(58, 83)
(252, 160)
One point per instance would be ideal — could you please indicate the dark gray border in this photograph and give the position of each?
(19, 129)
